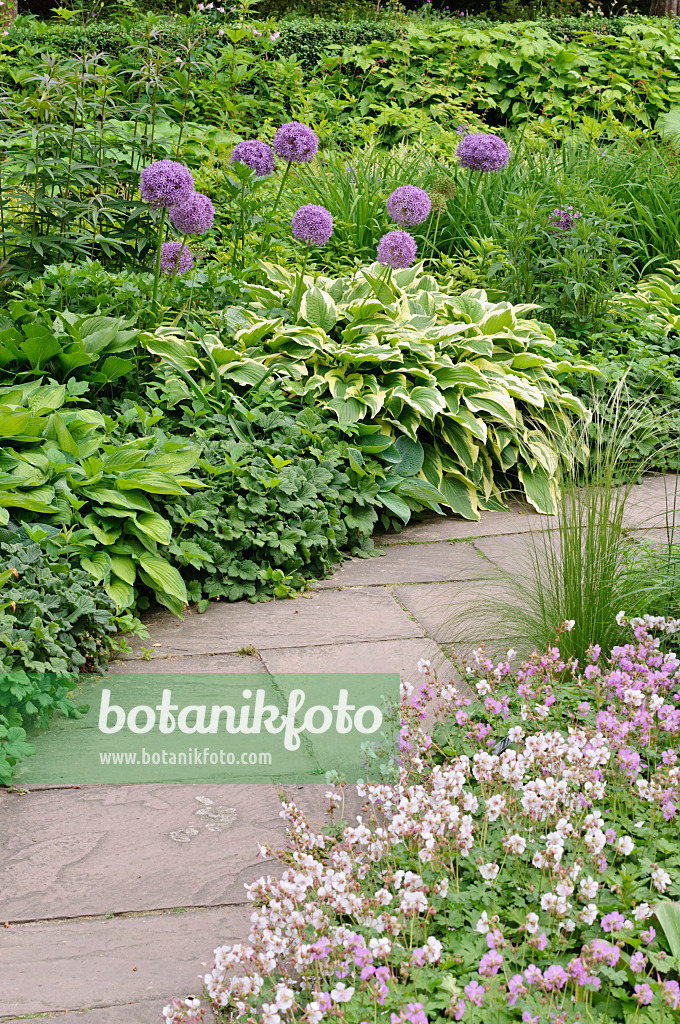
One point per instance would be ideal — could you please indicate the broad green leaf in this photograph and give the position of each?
(149, 481)
(101, 529)
(98, 564)
(395, 504)
(539, 489)
(123, 567)
(460, 494)
(421, 491)
(165, 577)
(120, 592)
(318, 309)
(154, 526)
(668, 916)
(406, 456)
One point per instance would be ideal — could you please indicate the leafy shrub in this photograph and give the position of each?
(285, 497)
(54, 622)
(524, 867)
(467, 390)
(60, 467)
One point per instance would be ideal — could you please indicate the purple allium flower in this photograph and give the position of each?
(295, 142)
(563, 219)
(165, 183)
(397, 249)
(409, 205)
(480, 152)
(170, 251)
(194, 215)
(312, 224)
(256, 155)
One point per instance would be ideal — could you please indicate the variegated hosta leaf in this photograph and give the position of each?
(470, 386)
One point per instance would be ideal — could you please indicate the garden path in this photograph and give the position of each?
(113, 898)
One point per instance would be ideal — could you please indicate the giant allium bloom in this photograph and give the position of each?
(481, 152)
(295, 142)
(409, 205)
(170, 251)
(397, 249)
(165, 183)
(194, 215)
(312, 224)
(256, 155)
(563, 218)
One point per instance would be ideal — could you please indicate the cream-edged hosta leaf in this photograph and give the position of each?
(347, 410)
(318, 309)
(521, 388)
(251, 335)
(427, 401)
(460, 375)
(499, 320)
(496, 402)
(245, 372)
(540, 489)
(459, 439)
(460, 494)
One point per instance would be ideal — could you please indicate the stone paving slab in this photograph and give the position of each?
(161, 662)
(651, 503)
(453, 612)
(410, 563)
(114, 849)
(101, 963)
(373, 656)
(519, 518)
(512, 553)
(329, 617)
(128, 1013)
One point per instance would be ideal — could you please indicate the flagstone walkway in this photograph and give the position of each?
(113, 898)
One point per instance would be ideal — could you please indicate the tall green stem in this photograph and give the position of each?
(266, 234)
(157, 271)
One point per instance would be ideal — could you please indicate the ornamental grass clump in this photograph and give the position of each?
(523, 868)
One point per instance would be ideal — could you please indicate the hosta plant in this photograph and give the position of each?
(657, 298)
(463, 394)
(60, 467)
(523, 868)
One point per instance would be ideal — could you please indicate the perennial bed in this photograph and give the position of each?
(523, 867)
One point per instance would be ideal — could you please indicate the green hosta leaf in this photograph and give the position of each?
(499, 320)
(395, 504)
(149, 481)
(98, 564)
(165, 577)
(318, 309)
(154, 526)
(27, 502)
(668, 916)
(460, 376)
(102, 529)
(347, 410)
(427, 401)
(64, 437)
(120, 592)
(422, 492)
(406, 456)
(374, 442)
(176, 462)
(245, 372)
(124, 568)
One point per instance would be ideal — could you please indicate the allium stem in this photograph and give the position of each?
(157, 272)
(266, 233)
(299, 287)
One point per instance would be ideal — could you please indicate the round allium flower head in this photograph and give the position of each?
(194, 215)
(170, 251)
(409, 205)
(563, 219)
(480, 152)
(256, 155)
(312, 224)
(295, 142)
(165, 183)
(397, 249)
